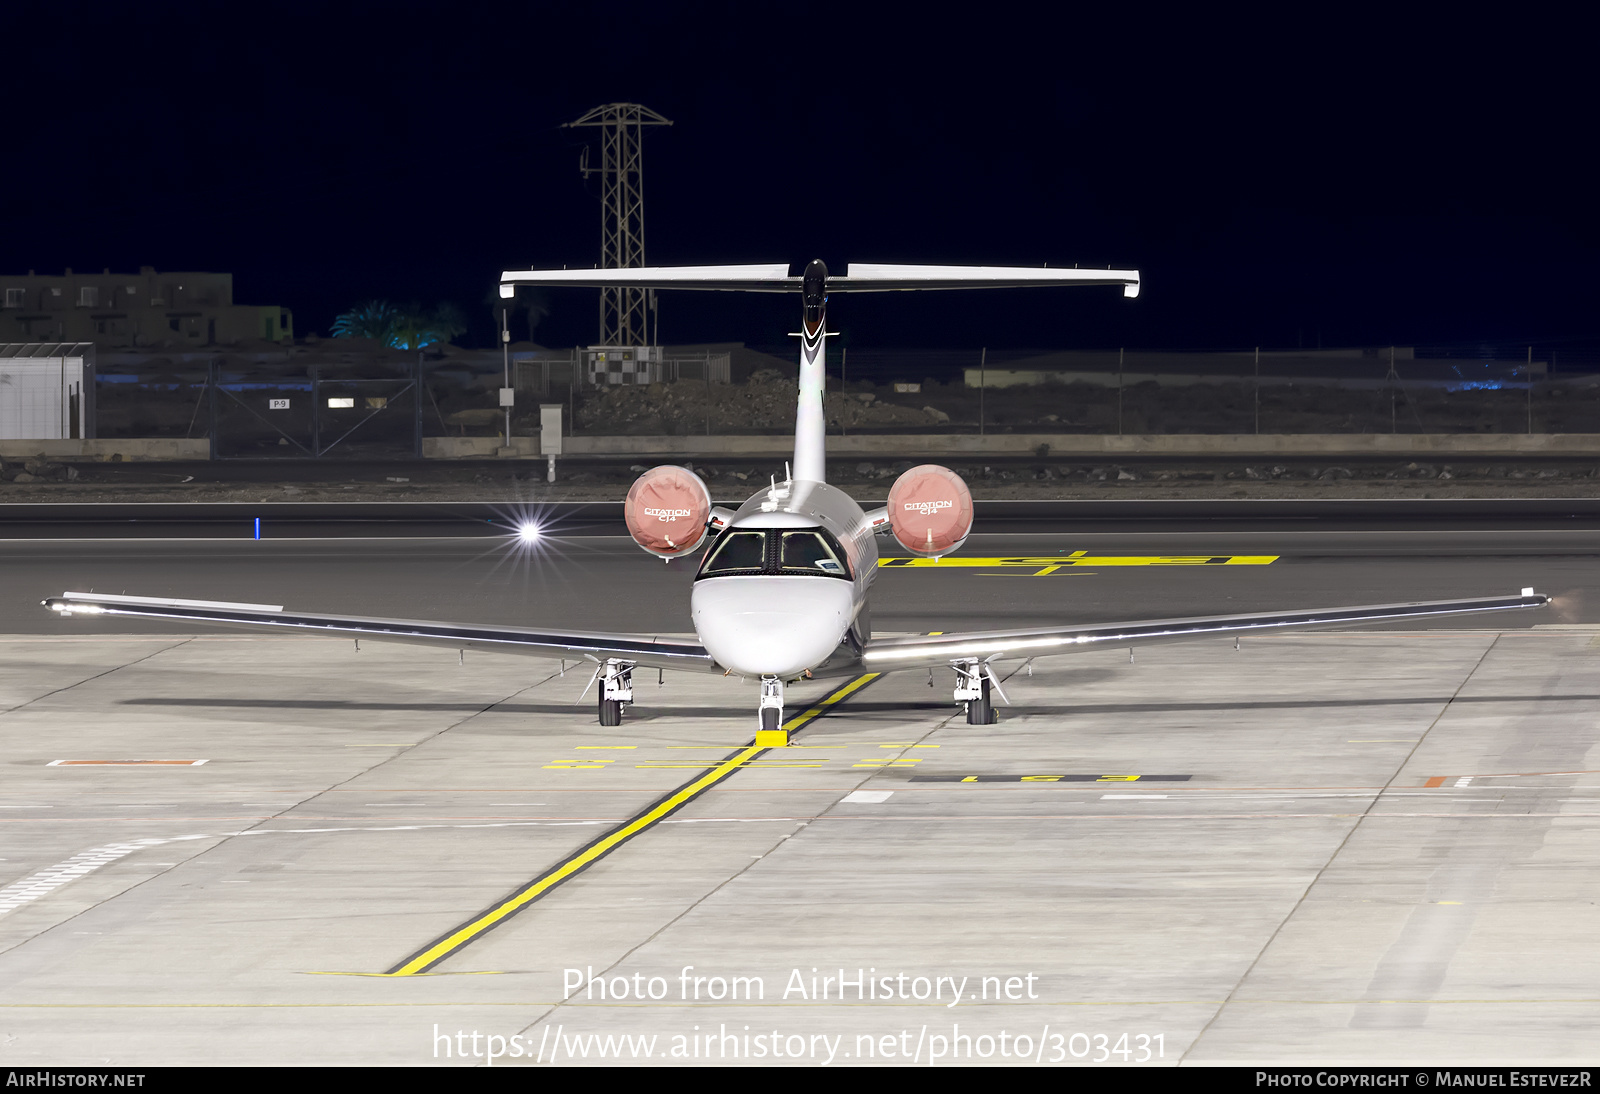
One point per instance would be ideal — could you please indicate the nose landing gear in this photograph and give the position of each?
(769, 726)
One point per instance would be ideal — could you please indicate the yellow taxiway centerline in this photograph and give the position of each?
(454, 941)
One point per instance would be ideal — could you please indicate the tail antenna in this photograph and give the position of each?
(788, 476)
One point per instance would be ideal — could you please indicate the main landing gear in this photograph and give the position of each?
(616, 688)
(974, 683)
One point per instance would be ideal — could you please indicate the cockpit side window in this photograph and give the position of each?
(737, 552)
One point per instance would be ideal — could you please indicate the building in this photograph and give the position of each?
(47, 391)
(145, 309)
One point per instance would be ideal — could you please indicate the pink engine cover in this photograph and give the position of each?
(930, 510)
(667, 510)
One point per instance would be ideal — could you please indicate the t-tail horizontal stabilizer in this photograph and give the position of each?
(859, 277)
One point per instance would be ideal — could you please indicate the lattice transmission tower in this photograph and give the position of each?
(623, 312)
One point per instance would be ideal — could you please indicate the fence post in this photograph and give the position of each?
(1392, 380)
(983, 385)
(1530, 391)
(211, 396)
(316, 413)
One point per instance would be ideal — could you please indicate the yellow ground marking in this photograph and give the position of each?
(604, 748)
(724, 748)
(464, 972)
(458, 938)
(1049, 564)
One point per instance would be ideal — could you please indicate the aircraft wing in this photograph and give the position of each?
(642, 649)
(885, 654)
(880, 277)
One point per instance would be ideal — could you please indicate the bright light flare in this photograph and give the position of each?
(529, 532)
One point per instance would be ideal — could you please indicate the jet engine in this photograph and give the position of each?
(930, 510)
(667, 510)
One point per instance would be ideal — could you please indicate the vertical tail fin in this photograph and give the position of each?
(810, 424)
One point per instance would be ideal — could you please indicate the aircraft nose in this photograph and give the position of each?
(777, 625)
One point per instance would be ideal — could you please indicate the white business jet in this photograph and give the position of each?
(782, 593)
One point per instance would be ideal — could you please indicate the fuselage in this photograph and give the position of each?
(783, 590)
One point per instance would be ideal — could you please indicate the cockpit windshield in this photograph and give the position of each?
(737, 552)
(807, 551)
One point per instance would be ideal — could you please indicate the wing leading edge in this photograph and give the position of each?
(647, 650)
(884, 654)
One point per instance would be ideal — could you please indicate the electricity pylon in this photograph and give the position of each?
(621, 171)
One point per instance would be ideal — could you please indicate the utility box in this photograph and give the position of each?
(550, 429)
(47, 391)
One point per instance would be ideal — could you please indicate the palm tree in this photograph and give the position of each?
(378, 320)
(401, 328)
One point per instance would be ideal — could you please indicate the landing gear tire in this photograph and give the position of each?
(610, 711)
(980, 711)
(770, 717)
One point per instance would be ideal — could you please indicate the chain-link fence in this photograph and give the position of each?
(1123, 392)
(732, 389)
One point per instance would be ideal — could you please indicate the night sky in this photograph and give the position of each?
(1338, 178)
